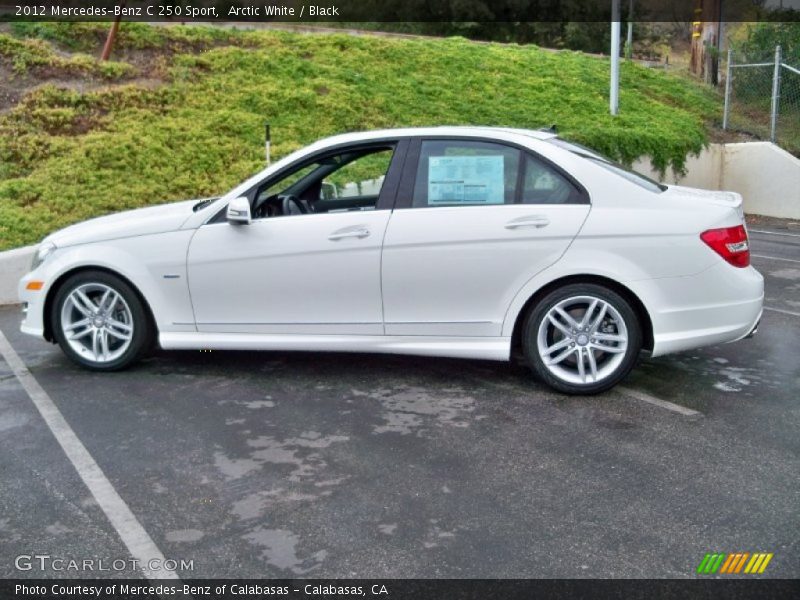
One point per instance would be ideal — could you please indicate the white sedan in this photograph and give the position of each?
(455, 241)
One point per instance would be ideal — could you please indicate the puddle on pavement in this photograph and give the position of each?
(184, 535)
(437, 535)
(413, 410)
(686, 372)
(306, 481)
(793, 274)
(269, 450)
(279, 549)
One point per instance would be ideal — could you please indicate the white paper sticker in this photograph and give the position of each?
(466, 179)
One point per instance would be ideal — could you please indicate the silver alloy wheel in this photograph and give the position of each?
(582, 339)
(97, 322)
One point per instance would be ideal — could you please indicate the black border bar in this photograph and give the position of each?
(740, 588)
(355, 11)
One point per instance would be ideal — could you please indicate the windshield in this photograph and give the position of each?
(610, 165)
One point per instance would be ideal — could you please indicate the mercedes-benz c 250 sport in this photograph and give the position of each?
(469, 242)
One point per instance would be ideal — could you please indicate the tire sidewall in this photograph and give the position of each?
(540, 310)
(142, 328)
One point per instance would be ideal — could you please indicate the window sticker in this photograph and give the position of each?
(466, 179)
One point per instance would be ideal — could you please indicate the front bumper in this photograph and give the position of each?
(33, 302)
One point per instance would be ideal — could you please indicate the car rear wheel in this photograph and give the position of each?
(582, 338)
(100, 322)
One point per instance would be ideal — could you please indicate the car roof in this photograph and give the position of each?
(447, 130)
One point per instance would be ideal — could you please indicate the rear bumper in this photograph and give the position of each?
(733, 330)
(754, 330)
(722, 304)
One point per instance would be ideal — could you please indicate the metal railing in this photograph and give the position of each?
(762, 98)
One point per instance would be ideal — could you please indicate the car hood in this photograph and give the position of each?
(142, 221)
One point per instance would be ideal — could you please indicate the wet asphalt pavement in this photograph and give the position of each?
(317, 465)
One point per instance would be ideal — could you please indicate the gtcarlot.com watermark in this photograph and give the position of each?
(47, 562)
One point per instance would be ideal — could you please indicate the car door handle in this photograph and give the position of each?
(537, 221)
(349, 232)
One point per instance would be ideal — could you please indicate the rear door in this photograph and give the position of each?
(474, 220)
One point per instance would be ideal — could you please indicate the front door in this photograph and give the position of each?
(309, 262)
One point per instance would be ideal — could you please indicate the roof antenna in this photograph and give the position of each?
(267, 143)
(551, 129)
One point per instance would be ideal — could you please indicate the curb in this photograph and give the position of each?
(13, 265)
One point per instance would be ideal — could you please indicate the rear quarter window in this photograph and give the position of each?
(609, 165)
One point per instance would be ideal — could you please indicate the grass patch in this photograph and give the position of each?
(66, 156)
(28, 56)
(89, 37)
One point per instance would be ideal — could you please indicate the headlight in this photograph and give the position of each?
(42, 252)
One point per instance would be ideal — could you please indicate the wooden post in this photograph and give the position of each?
(112, 33)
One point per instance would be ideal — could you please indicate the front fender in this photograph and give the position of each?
(155, 267)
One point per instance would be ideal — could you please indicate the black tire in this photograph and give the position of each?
(141, 338)
(616, 368)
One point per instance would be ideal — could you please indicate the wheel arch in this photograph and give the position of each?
(638, 306)
(52, 292)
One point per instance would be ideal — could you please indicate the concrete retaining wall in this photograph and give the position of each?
(767, 177)
(13, 265)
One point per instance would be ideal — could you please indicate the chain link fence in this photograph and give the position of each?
(762, 98)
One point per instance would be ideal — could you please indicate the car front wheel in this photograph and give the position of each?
(100, 322)
(582, 338)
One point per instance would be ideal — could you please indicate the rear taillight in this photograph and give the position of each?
(730, 243)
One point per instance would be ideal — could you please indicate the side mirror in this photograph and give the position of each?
(239, 211)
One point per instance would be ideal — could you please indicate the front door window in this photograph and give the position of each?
(350, 181)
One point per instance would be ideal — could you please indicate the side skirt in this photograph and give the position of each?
(485, 348)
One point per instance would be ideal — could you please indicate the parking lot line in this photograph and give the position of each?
(783, 311)
(136, 539)
(792, 260)
(645, 397)
(762, 231)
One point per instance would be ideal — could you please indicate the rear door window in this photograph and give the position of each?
(465, 173)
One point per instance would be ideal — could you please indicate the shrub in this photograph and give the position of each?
(66, 156)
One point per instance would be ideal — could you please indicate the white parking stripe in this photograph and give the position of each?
(783, 311)
(644, 397)
(133, 535)
(792, 260)
(773, 232)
